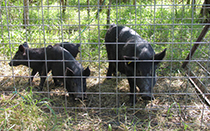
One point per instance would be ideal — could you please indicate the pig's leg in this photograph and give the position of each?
(112, 66)
(33, 73)
(111, 69)
(132, 90)
(43, 75)
(56, 80)
(111, 56)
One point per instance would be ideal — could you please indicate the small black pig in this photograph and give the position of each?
(62, 63)
(25, 54)
(131, 49)
(72, 48)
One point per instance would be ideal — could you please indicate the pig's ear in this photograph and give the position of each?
(22, 49)
(86, 72)
(160, 56)
(130, 60)
(49, 46)
(69, 72)
(78, 45)
(25, 44)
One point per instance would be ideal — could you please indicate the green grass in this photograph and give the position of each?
(22, 112)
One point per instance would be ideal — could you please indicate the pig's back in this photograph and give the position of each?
(120, 34)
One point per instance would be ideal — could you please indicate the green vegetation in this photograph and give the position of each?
(161, 23)
(169, 24)
(23, 112)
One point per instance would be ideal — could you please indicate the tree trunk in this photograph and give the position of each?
(25, 13)
(63, 4)
(108, 13)
(134, 2)
(100, 7)
(88, 8)
(205, 11)
(193, 5)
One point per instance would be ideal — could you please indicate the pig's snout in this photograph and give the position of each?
(147, 96)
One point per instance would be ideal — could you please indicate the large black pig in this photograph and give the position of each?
(62, 63)
(140, 60)
(37, 55)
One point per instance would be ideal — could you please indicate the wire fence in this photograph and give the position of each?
(180, 96)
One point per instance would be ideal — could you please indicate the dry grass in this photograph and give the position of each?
(176, 107)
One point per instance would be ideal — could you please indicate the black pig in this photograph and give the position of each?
(66, 66)
(24, 54)
(72, 48)
(132, 48)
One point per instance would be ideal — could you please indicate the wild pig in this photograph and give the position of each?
(37, 55)
(62, 64)
(132, 49)
(24, 55)
(72, 48)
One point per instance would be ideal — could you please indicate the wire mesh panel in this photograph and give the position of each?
(45, 86)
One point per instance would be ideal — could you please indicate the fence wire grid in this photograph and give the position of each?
(181, 95)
